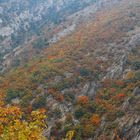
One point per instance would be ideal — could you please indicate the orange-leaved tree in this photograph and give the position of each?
(82, 99)
(95, 119)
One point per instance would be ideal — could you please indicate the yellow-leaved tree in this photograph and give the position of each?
(13, 126)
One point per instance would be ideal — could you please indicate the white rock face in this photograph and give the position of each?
(1, 10)
(63, 33)
(6, 31)
(0, 21)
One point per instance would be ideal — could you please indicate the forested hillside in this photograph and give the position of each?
(86, 86)
(22, 21)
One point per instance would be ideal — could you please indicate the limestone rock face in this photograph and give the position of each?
(89, 89)
(136, 91)
(130, 127)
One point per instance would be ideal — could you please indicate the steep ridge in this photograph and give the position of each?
(20, 20)
(33, 19)
(89, 81)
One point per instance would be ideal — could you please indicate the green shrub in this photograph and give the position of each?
(40, 43)
(39, 102)
(79, 112)
(69, 97)
(84, 72)
(136, 65)
(12, 93)
(57, 60)
(137, 76)
(25, 101)
(57, 112)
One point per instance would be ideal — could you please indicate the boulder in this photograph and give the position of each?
(136, 91)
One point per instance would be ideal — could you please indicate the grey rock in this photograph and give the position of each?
(89, 89)
(58, 79)
(68, 74)
(130, 127)
(126, 104)
(135, 40)
(136, 91)
(15, 101)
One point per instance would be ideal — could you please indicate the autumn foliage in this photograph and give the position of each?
(95, 119)
(121, 95)
(14, 127)
(58, 76)
(83, 100)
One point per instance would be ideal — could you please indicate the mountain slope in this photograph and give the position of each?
(28, 20)
(20, 20)
(89, 81)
